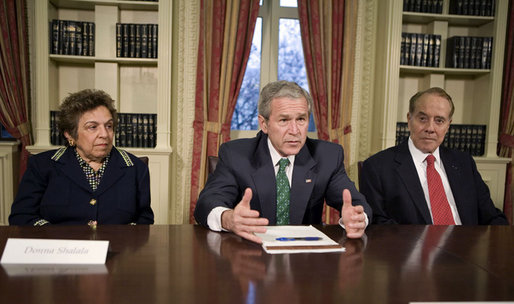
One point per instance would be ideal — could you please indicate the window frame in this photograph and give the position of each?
(271, 12)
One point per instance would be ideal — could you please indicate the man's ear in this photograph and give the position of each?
(263, 124)
(408, 116)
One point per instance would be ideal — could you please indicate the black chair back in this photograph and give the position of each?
(144, 159)
(212, 162)
(359, 168)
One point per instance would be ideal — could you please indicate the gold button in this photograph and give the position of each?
(92, 202)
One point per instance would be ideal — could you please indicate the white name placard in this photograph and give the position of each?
(49, 251)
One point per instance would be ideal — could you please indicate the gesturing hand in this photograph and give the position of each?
(244, 221)
(354, 218)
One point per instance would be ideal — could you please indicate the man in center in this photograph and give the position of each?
(280, 176)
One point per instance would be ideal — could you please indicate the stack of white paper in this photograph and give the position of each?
(297, 239)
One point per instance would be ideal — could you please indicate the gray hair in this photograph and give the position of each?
(435, 91)
(281, 88)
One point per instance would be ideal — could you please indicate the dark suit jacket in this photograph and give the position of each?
(54, 188)
(318, 175)
(390, 182)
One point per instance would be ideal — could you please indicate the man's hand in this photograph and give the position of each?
(244, 221)
(354, 218)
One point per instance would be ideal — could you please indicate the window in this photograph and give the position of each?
(4, 134)
(276, 53)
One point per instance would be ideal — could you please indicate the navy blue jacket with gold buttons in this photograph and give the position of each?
(54, 190)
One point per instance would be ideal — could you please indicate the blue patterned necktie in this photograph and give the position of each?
(282, 193)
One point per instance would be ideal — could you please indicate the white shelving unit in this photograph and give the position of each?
(9, 166)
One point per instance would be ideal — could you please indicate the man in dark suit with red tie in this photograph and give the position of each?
(420, 182)
(280, 176)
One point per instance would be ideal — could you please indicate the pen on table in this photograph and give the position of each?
(303, 238)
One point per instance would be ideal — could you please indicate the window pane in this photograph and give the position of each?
(4, 133)
(245, 112)
(288, 3)
(291, 64)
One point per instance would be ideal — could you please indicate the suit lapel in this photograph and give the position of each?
(302, 184)
(264, 180)
(409, 175)
(113, 172)
(69, 166)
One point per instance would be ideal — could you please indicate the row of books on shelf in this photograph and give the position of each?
(69, 37)
(466, 138)
(420, 49)
(472, 7)
(423, 6)
(134, 130)
(467, 52)
(136, 40)
(456, 7)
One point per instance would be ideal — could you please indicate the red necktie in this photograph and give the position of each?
(441, 213)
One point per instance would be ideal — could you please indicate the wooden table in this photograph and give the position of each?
(189, 264)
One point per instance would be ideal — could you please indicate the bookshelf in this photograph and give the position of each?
(475, 92)
(138, 85)
(9, 165)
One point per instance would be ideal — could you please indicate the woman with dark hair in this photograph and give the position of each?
(88, 181)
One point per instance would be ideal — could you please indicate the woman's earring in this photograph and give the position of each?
(71, 142)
